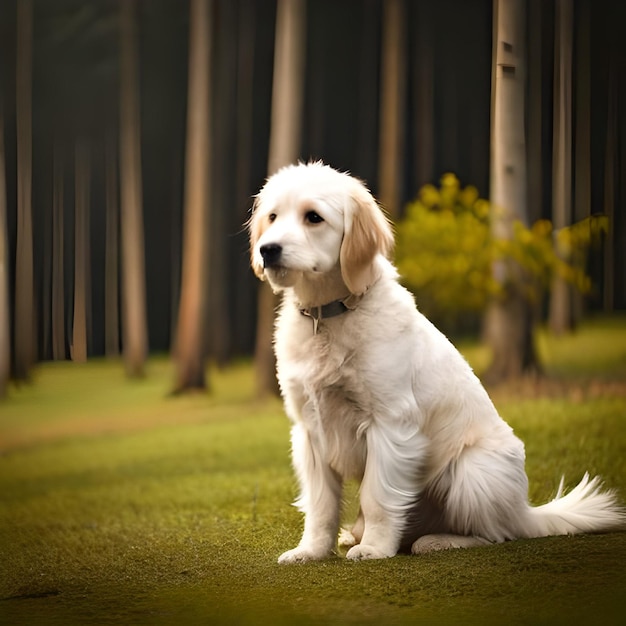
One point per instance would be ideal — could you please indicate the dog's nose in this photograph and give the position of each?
(271, 254)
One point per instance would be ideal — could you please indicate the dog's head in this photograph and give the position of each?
(312, 219)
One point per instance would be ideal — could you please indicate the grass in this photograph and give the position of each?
(119, 504)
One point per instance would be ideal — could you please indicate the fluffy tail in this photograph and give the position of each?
(585, 509)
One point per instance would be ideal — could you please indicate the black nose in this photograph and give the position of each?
(271, 254)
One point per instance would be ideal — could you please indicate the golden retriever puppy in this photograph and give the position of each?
(376, 393)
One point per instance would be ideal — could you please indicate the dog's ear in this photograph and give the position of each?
(255, 230)
(367, 233)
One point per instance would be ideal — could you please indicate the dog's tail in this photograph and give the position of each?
(585, 509)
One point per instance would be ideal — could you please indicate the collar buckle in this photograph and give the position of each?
(332, 309)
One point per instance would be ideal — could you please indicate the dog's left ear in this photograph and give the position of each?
(367, 233)
(255, 231)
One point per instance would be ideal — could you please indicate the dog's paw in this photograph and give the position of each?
(346, 539)
(300, 555)
(363, 552)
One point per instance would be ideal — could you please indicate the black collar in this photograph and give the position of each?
(332, 309)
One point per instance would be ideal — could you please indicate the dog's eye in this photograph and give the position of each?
(271, 217)
(313, 218)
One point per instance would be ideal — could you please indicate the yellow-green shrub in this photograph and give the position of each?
(446, 252)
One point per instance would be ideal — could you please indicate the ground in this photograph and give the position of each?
(119, 504)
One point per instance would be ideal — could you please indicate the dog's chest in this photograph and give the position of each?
(321, 385)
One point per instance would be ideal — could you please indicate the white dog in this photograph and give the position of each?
(376, 393)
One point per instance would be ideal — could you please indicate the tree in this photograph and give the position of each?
(58, 281)
(368, 92)
(111, 262)
(135, 333)
(560, 294)
(190, 348)
(582, 129)
(423, 96)
(245, 294)
(81, 252)
(610, 184)
(5, 318)
(392, 105)
(287, 94)
(221, 200)
(509, 319)
(534, 151)
(24, 285)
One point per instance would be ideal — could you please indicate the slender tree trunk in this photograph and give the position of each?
(58, 283)
(424, 97)
(535, 112)
(508, 322)
(81, 194)
(223, 219)
(392, 106)
(244, 295)
(190, 336)
(366, 140)
(560, 295)
(134, 327)
(287, 95)
(45, 310)
(175, 246)
(582, 142)
(288, 87)
(111, 259)
(610, 167)
(25, 345)
(5, 317)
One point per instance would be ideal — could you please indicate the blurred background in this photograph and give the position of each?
(136, 132)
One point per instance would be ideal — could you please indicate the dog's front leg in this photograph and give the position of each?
(388, 489)
(320, 496)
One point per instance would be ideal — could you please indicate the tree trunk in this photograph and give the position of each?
(366, 140)
(560, 318)
(424, 97)
(25, 345)
(610, 168)
(392, 106)
(58, 250)
(534, 156)
(221, 196)
(45, 307)
(111, 260)
(5, 318)
(288, 85)
(190, 337)
(582, 141)
(81, 194)
(134, 327)
(287, 94)
(508, 322)
(244, 295)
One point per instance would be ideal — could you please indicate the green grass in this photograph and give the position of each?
(119, 504)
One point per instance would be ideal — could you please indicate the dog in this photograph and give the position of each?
(377, 394)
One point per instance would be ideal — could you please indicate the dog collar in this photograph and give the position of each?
(332, 309)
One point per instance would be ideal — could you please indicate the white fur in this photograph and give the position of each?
(379, 395)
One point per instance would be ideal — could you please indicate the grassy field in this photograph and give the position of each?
(119, 504)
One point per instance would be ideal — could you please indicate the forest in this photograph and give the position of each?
(135, 134)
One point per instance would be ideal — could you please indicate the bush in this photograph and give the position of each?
(446, 253)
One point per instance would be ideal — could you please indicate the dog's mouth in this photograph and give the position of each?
(279, 271)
